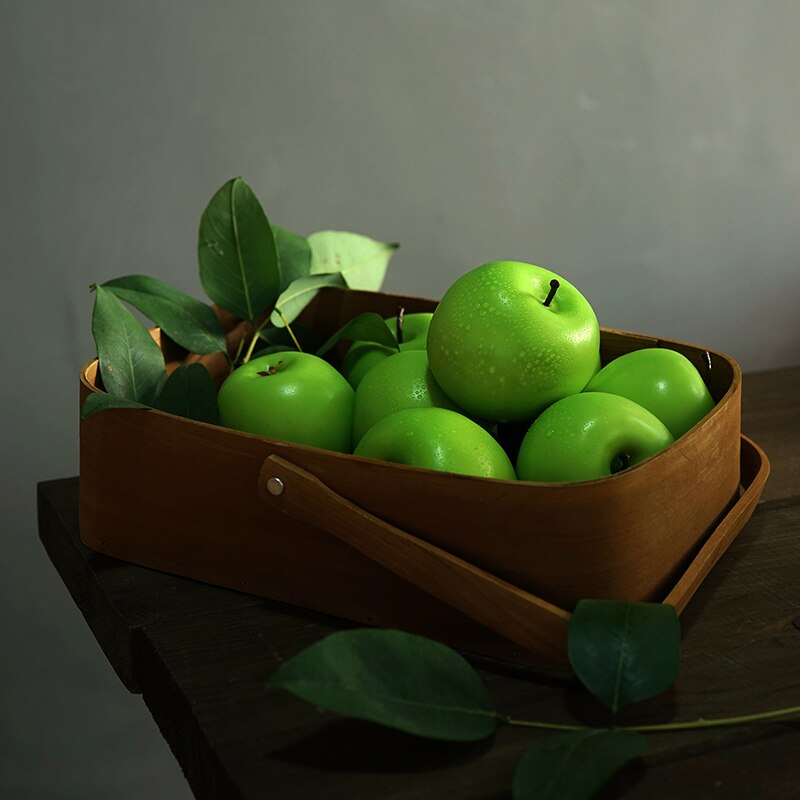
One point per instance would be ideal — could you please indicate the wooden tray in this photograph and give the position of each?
(489, 566)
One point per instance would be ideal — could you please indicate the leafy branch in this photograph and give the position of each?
(250, 267)
(621, 652)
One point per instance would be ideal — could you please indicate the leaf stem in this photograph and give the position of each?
(713, 723)
(252, 346)
(238, 352)
(549, 726)
(666, 726)
(291, 332)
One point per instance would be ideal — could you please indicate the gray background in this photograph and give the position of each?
(647, 151)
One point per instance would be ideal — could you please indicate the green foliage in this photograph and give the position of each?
(99, 402)
(294, 254)
(284, 339)
(361, 261)
(249, 267)
(421, 687)
(399, 680)
(366, 327)
(299, 294)
(624, 652)
(189, 392)
(133, 370)
(574, 766)
(131, 363)
(239, 266)
(187, 321)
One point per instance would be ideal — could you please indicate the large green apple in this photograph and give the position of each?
(665, 382)
(504, 346)
(361, 357)
(296, 397)
(436, 438)
(404, 380)
(587, 436)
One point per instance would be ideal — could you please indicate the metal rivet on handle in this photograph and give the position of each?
(275, 486)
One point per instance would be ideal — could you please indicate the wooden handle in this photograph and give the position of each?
(530, 622)
(521, 617)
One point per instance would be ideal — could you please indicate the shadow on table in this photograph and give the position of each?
(352, 745)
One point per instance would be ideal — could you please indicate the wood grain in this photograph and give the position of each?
(771, 416)
(629, 536)
(202, 673)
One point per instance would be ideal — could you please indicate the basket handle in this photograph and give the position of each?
(527, 620)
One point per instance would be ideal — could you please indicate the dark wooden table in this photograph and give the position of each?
(200, 656)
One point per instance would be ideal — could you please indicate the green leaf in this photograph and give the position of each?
(295, 255)
(131, 363)
(298, 295)
(573, 766)
(189, 392)
(362, 261)
(239, 267)
(184, 319)
(393, 678)
(272, 348)
(308, 338)
(366, 327)
(624, 652)
(99, 401)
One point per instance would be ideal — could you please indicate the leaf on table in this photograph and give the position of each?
(294, 253)
(366, 327)
(299, 294)
(624, 652)
(393, 678)
(187, 321)
(131, 363)
(100, 401)
(238, 258)
(361, 261)
(573, 766)
(189, 392)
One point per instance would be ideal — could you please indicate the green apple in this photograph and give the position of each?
(665, 382)
(509, 339)
(296, 397)
(404, 380)
(363, 356)
(436, 438)
(587, 436)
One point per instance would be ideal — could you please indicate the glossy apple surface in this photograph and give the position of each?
(292, 396)
(436, 438)
(503, 355)
(404, 380)
(665, 382)
(363, 356)
(587, 436)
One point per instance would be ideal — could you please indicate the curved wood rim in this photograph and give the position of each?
(89, 385)
(522, 617)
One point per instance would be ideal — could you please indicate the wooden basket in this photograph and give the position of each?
(488, 566)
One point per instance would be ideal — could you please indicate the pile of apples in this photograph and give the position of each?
(510, 347)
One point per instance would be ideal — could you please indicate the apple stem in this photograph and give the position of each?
(400, 314)
(554, 284)
(271, 371)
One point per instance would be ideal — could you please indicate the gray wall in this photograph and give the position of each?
(647, 151)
